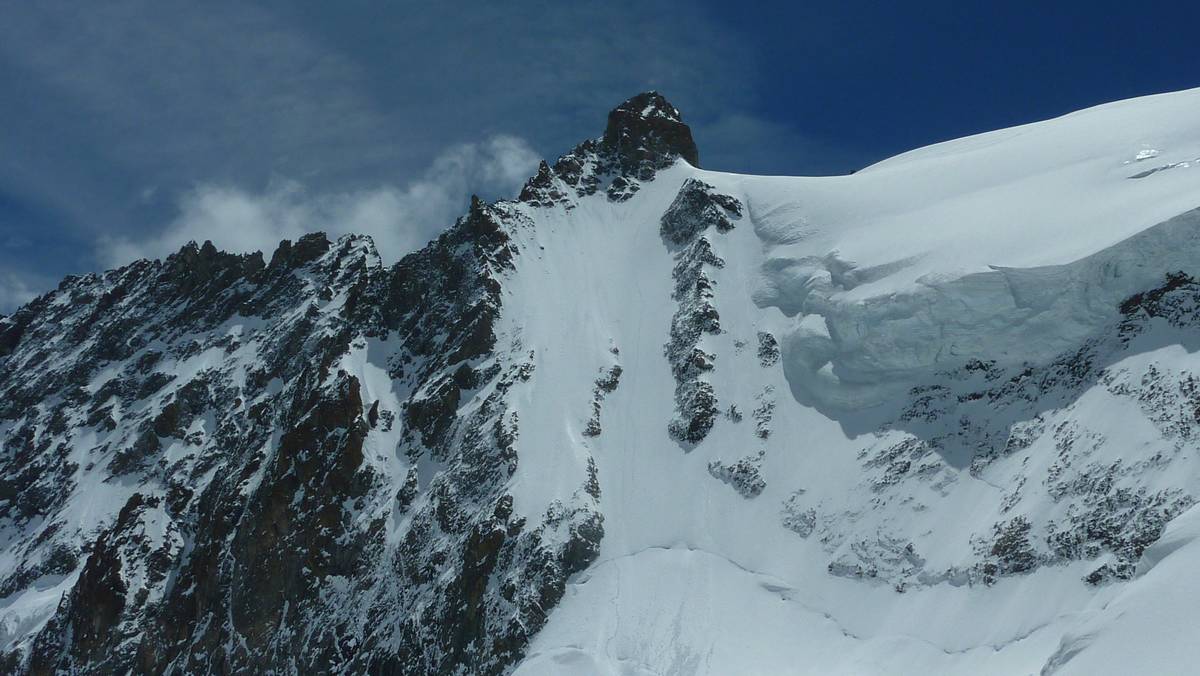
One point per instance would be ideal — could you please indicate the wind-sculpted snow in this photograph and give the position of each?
(1069, 489)
(845, 355)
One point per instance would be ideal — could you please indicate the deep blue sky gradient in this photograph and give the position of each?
(884, 77)
(112, 113)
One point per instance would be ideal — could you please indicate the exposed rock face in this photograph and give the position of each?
(644, 135)
(273, 515)
(696, 211)
(695, 400)
(697, 208)
(119, 592)
(606, 384)
(768, 350)
(743, 475)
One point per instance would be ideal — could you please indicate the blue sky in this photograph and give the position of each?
(132, 126)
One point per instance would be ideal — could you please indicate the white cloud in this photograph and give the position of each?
(399, 219)
(14, 292)
(114, 111)
(167, 93)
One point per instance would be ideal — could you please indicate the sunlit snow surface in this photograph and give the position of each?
(1008, 245)
(1013, 246)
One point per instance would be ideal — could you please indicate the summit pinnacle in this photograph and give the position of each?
(646, 131)
(644, 135)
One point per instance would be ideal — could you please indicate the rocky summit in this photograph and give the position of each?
(938, 416)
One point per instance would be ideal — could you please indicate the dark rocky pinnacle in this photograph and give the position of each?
(647, 129)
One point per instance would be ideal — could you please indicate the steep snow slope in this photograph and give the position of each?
(938, 416)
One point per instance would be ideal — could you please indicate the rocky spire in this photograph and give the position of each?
(647, 132)
(644, 134)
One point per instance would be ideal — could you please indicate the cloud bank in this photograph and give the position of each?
(400, 219)
(14, 292)
(134, 126)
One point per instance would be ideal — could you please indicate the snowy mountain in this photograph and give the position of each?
(938, 416)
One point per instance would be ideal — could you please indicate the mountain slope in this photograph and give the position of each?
(932, 417)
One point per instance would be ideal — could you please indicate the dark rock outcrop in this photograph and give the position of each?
(697, 208)
(743, 475)
(644, 135)
(696, 211)
(213, 384)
